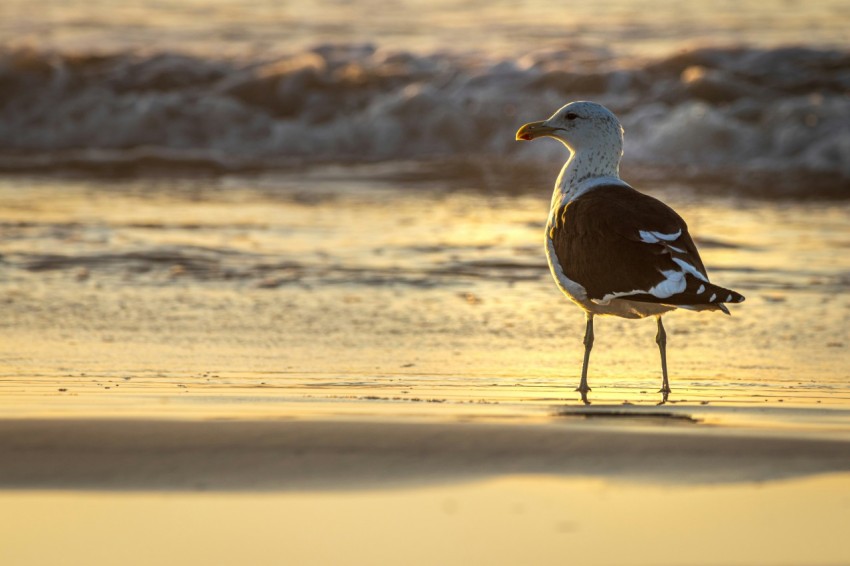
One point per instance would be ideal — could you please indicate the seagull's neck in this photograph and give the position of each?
(579, 171)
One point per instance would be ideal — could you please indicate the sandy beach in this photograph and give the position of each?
(273, 287)
(206, 359)
(417, 491)
(357, 454)
(178, 351)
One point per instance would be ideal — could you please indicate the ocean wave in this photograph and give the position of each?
(743, 111)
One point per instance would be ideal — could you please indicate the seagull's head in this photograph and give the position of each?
(580, 126)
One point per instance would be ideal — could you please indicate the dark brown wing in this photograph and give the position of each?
(618, 242)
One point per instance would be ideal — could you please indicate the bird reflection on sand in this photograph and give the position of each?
(585, 399)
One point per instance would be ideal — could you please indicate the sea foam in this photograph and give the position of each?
(751, 111)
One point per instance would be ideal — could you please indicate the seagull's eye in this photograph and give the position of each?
(571, 116)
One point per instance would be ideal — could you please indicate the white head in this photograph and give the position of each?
(581, 126)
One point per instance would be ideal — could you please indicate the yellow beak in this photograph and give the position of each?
(534, 130)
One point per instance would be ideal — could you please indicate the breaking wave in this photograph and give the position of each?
(740, 111)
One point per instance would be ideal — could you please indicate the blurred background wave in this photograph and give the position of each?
(752, 95)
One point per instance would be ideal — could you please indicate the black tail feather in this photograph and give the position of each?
(698, 295)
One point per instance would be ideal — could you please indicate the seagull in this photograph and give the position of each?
(611, 249)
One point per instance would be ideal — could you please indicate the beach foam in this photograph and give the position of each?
(735, 111)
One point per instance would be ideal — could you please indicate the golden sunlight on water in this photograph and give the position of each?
(210, 298)
(510, 520)
(273, 288)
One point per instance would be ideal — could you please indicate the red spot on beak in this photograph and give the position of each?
(531, 130)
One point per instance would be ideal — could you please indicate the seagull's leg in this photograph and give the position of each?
(661, 340)
(588, 345)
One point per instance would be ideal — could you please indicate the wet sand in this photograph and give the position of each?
(211, 366)
(113, 454)
(418, 492)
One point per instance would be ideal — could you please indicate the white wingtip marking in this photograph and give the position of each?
(712, 297)
(650, 237)
(688, 268)
(701, 290)
(729, 299)
(672, 284)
